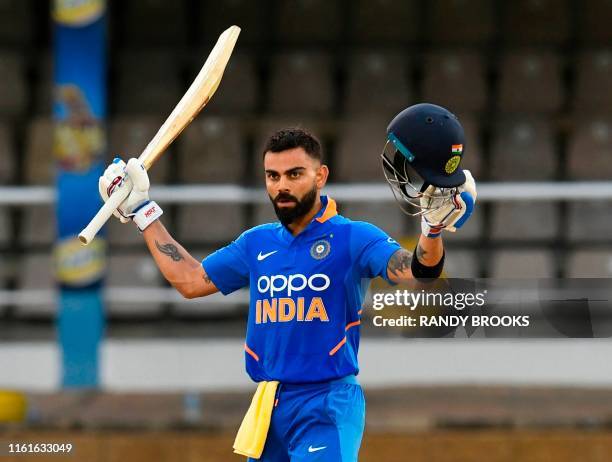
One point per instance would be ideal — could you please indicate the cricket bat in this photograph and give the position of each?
(192, 102)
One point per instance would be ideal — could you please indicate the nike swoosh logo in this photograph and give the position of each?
(261, 257)
(311, 449)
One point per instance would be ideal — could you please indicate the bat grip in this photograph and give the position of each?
(105, 212)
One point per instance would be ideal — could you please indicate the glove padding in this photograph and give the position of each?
(450, 215)
(132, 176)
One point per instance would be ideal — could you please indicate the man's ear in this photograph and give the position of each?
(322, 174)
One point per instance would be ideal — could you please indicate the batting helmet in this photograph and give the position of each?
(425, 146)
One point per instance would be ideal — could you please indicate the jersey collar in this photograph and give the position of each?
(328, 209)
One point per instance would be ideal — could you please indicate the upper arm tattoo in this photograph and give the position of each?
(400, 261)
(171, 250)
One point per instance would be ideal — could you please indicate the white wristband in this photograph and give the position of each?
(147, 215)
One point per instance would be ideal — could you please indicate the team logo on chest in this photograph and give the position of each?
(320, 249)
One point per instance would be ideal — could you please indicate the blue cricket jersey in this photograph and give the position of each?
(306, 293)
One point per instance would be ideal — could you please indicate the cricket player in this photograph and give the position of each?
(308, 274)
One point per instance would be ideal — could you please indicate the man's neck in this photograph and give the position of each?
(300, 224)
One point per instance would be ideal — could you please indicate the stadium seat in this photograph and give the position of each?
(212, 151)
(147, 83)
(238, 95)
(39, 166)
(589, 264)
(524, 220)
(209, 223)
(594, 82)
(455, 80)
(307, 22)
(5, 274)
(594, 22)
(460, 22)
(522, 264)
(5, 226)
(7, 155)
(35, 272)
(590, 150)
(154, 23)
(253, 17)
(536, 22)
(589, 220)
(43, 91)
(38, 225)
(301, 81)
(118, 233)
(386, 216)
(13, 97)
(129, 270)
(16, 23)
(472, 151)
(522, 150)
(530, 82)
(360, 143)
(378, 82)
(461, 264)
(130, 135)
(383, 22)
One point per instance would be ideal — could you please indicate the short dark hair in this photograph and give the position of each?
(294, 137)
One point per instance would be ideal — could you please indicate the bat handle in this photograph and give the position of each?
(105, 212)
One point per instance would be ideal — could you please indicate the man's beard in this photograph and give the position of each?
(287, 215)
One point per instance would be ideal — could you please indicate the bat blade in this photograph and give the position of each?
(195, 98)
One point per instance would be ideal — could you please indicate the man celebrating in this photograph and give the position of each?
(308, 274)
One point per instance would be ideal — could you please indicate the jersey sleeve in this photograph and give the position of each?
(372, 248)
(228, 267)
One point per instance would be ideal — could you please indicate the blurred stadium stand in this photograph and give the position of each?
(377, 82)
(301, 82)
(455, 79)
(128, 134)
(523, 149)
(531, 81)
(199, 160)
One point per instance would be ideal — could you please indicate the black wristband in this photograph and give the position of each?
(422, 272)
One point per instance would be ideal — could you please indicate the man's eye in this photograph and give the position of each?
(295, 174)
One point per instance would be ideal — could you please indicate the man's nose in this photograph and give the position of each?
(283, 185)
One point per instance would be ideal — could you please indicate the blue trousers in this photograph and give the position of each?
(321, 422)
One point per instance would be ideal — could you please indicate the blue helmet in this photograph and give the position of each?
(425, 146)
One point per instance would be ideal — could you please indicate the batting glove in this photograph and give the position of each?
(449, 215)
(137, 207)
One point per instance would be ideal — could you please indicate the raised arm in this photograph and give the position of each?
(180, 269)
(184, 272)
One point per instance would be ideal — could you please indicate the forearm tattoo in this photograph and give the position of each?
(400, 261)
(421, 252)
(171, 250)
